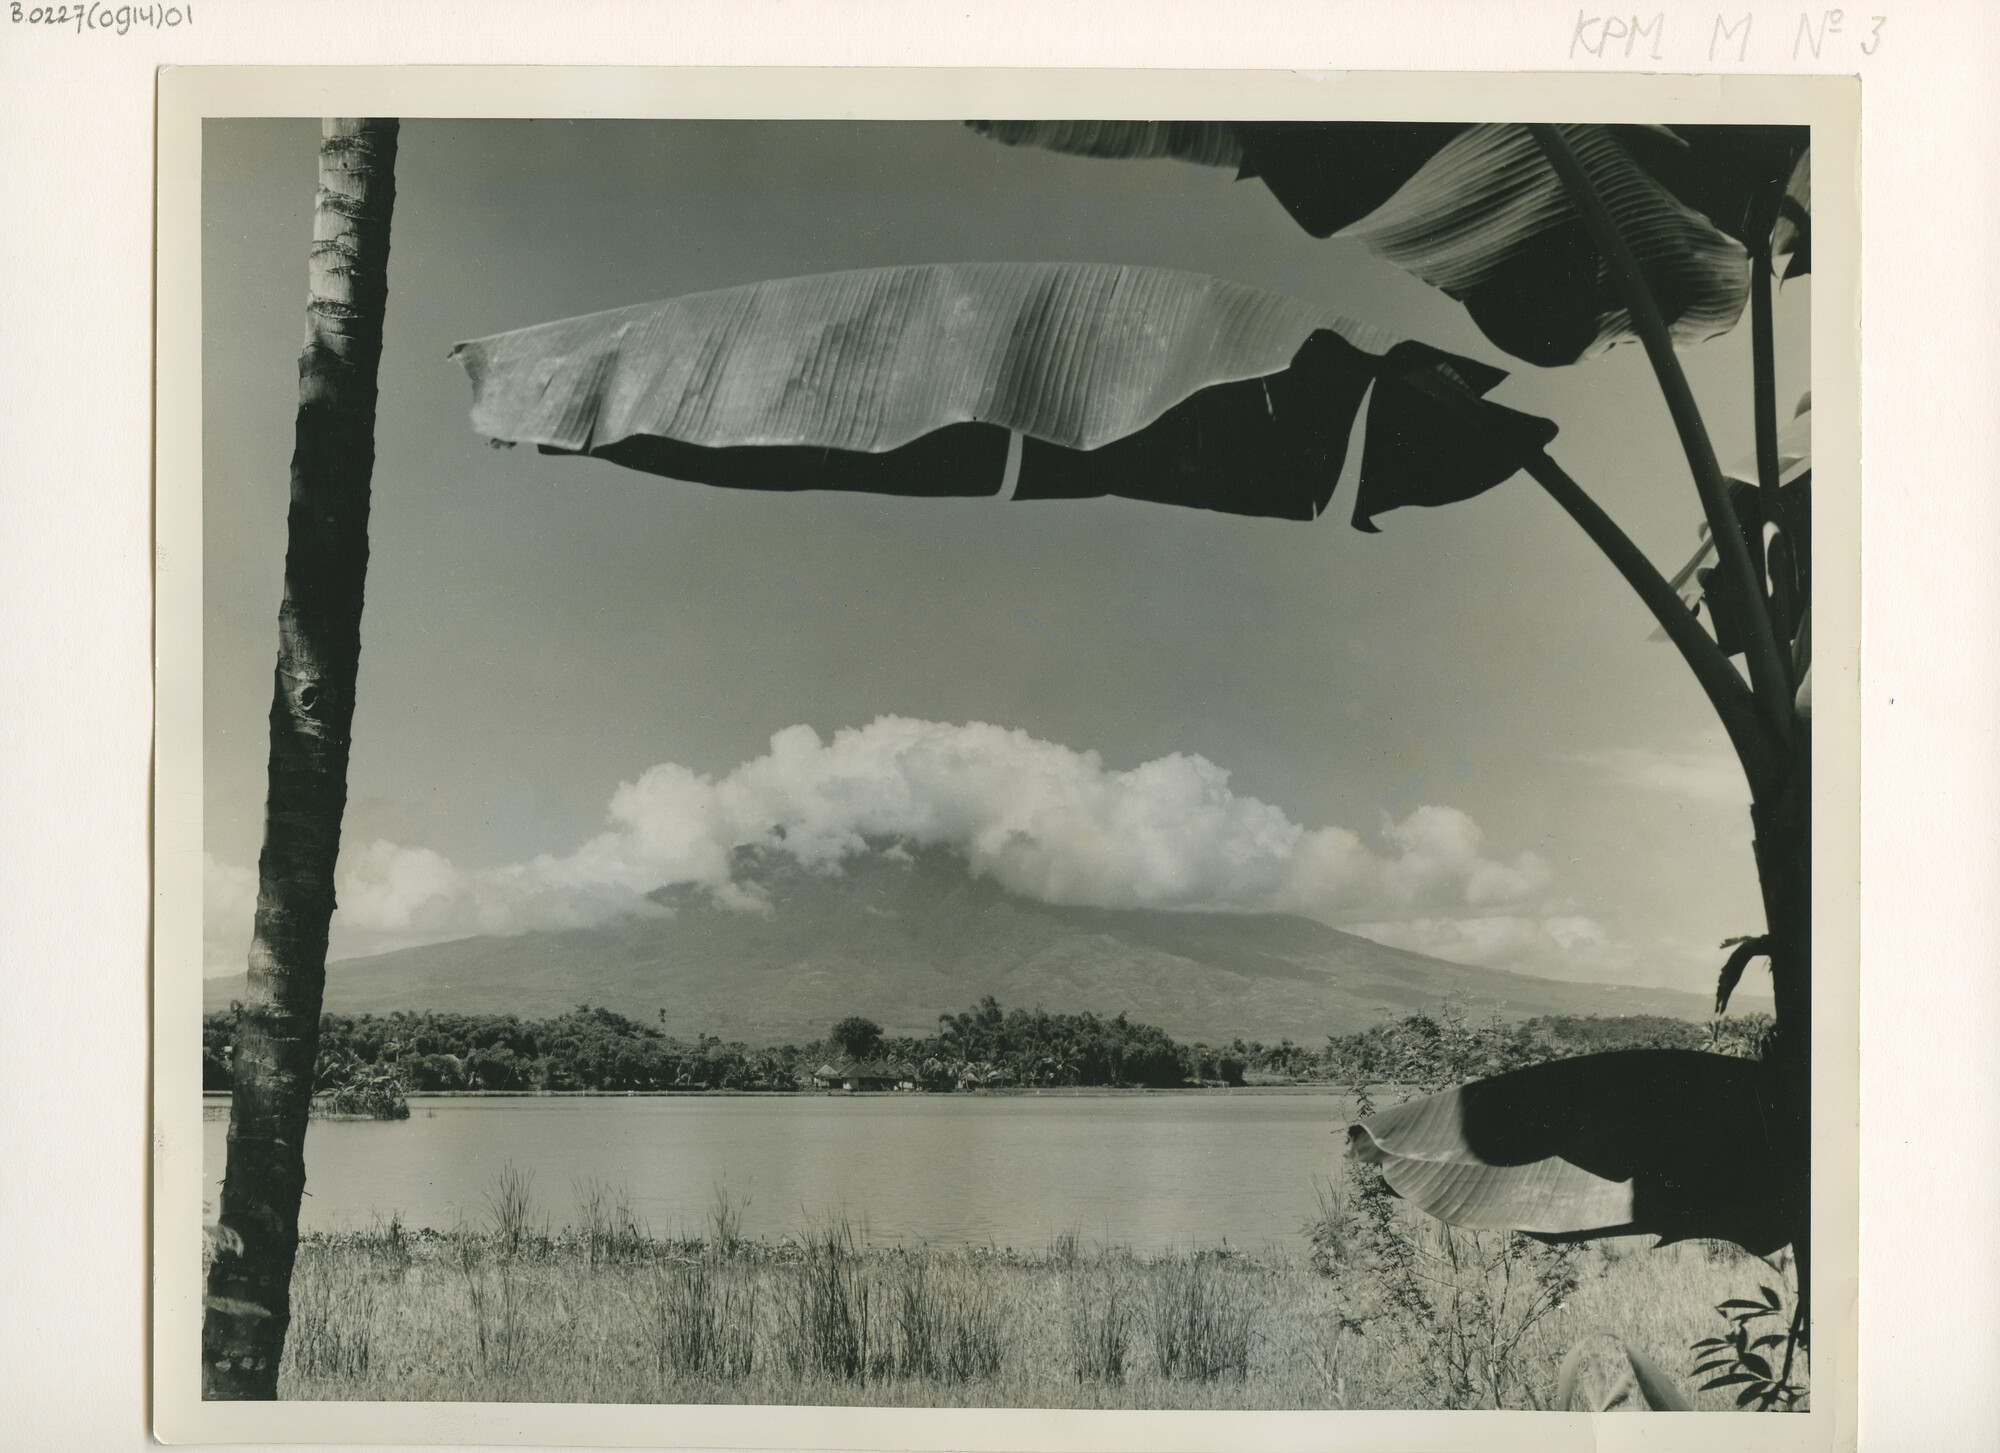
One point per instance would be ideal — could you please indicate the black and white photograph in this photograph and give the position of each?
(1021, 760)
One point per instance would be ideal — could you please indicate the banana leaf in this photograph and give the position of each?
(1601, 1373)
(1785, 565)
(1793, 233)
(1735, 176)
(1672, 1143)
(1046, 381)
(1478, 212)
(1204, 143)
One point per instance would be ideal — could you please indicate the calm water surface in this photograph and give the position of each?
(1147, 1171)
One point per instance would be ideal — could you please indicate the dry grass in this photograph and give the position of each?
(601, 1313)
(1200, 1319)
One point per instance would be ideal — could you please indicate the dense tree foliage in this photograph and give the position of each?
(1444, 1048)
(861, 1038)
(584, 1049)
(986, 1046)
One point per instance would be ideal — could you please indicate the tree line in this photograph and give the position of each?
(594, 1048)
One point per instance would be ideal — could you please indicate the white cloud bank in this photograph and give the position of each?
(1041, 819)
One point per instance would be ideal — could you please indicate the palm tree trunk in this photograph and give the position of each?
(248, 1306)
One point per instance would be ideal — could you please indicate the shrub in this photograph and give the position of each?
(387, 1248)
(824, 1327)
(975, 1332)
(367, 1096)
(945, 1329)
(331, 1335)
(507, 1200)
(1754, 1359)
(1097, 1330)
(345, 1084)
(698, 1326)
(499, 1321)
(1459, 1306)
(1200, 1321)
(725, 1220)
(609, 1230)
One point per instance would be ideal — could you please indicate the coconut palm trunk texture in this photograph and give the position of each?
(248, 1302)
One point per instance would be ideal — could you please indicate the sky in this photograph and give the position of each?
(579, 683)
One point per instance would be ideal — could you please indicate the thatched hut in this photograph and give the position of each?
(855, 1075)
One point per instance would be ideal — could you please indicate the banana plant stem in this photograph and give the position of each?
(1726, 692)
(1764, 376)
(1767, 673)
(1756, 747)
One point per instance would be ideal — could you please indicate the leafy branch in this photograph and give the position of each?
(1741, 1357)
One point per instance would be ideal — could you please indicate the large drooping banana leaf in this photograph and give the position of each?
(1478, 212)
(1205, 143)
(1059, 380)
(1673, 1143)
(1735, 176)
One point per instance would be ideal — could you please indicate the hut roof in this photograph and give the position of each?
(867, 1069)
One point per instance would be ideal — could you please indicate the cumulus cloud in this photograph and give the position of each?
(1041, 819)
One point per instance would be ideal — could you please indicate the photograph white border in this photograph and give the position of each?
(188, 95)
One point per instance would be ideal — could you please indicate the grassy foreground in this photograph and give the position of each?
(604, 1313)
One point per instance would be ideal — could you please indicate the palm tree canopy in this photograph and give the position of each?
(1050, 380)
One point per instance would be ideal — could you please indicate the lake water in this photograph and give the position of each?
(1144, 1170)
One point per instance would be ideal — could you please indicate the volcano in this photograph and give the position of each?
(903, 935)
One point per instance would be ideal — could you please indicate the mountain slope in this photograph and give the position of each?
(903, 938)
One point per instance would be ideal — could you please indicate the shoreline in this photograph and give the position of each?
(1009, 1091)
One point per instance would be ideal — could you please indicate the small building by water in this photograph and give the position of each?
(854, 1075)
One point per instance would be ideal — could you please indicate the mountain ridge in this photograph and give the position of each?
(903, 936)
